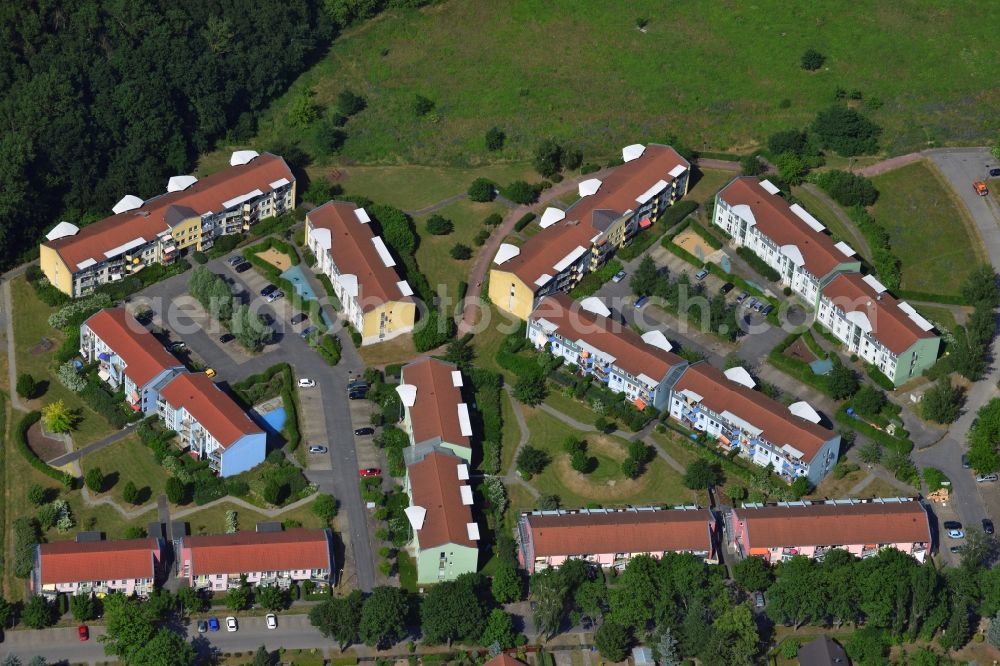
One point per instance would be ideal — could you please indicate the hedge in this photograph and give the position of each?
(880, 436)
(331, 295)
(933, 298)
(643, 241)
(706, 235)
(758, 264)
(21, 438)
(682, 253)
(594, 280)
(879, 378)
(288, 398)
(524, 221)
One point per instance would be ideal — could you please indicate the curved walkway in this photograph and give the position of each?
(131, 514)
(889, 164)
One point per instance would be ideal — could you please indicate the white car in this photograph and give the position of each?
(231, 624)
(956, 534)
(317, 449)
(306, 383)
(272, 620)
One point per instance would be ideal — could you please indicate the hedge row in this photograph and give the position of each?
(673, 215)
(488, 385)
(880, 436)
(21, 439)
(524, 221)
(243, 388)
(951, 299)
(879, 378)
(668, 243)
(594, 280)
(800, 370)
(706, 235)
(758, 264)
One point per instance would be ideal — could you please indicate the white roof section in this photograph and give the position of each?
(804, 410)
(404, 288)
(769, 187)
(407, 393)
(872, 282)
(589, 186)
(740, 422)
(568, 260)
(793, 253)
(657, 187)
(678, 170)
(633, 152)
(463, 472)
(543, 280)
(845, 249)
(691, 395)
(915, 317)
(322, 238)
(472, 529)
(62, 230)
(127, 203)
(744, 212)
(859, 319)
(180, 183)
(739, 375)
(86, 263)
(243, 198)
(456, 378)
(281, 182)
(464, 422)
(349, 282)
(792, 451)
(804, 215)
(647, 380)
(362, 215)
(506, 253)
(416, 515)
(466, 492)
(242, 157)
(551, 216)
(595, 305)
(657, 339)
(121, 249)
(383, 251)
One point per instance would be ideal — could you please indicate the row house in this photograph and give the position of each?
(434, 411)
(781, 531)
(223, 561)
(786, 237)
(131, 566)
(211, 425)
(726, 407)
(375, 299)
(129, 358)
(580, 239)
(642, 367)
(609, 538)
(445, 535)
(881, 330)
(190, 215)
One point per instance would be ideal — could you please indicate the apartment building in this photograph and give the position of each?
(726, 407)
(129, 358)
(786, 237)
(435, 413)
(211, 424)
(781, 531)
(221, 561)
(611, 537)
(445, 536)
(881, 330)
(131, 566)
(376, 301)
(577, 241)
(191, 214)
(583, 334)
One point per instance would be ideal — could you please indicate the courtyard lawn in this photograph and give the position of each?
(708, 184)
(397, 350)
(826, 215)
(606, 485)
(930, 231)
(212, 520)
(124, 461)
(30, 320)
(939, 315)
(521, 499)
(511, 432)
(490, 332)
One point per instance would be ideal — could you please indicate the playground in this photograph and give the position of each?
(691, 242)
(279, 260)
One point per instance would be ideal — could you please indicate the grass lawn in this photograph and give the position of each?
(929, 230)
(709, 182)
(938, 315)
(213, 519)
(580, 411)
(825, 214)
(397, 350)
(606, 485)
(511, 432)
(836, 488)
(128, 460)
(30, 326)
(407, 571)
(490, 331)
(520, 500)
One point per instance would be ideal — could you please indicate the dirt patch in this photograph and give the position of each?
(44, 447)
(277, 259)
(693, 243)
(44, 346)
(799, 350)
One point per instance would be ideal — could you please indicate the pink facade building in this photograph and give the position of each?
(862, 527)
(219, 562)
(131, 566)
(611, 537)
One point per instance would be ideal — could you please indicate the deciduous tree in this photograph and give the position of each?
(452, 611)
(612, 640)
(383, 617)
(506, 585)
(339, 618)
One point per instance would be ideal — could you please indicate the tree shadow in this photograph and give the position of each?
(110, 481)
(144, 495)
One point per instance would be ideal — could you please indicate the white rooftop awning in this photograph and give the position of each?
(845, 249)
(242, 157)
(691, 395)
(407, 393)
(804, 410)
(362, 215)
(633, 152)
(466, 492)
(281, 182)
(568, 260)
(770, 187)
(550, 217)
(349, 283)
(383, 252)
(506, 253)
(242, 199)
(792, 451)
(678, 170)
(872, 282)
(915, 317)
(793, 253)
(657, 339)
(62, 230)
(595, 305)
(741, 423)
(416, 515)
(464, 422)
(127, 203)
(463, 472)
(180, 183)
(859, 319)
(739, 375)
(125, 247)
(404, 288)
(804, 215)
(321, 237)
(744, 212)
(543, 280)
(589, 186)
(86, 263)
(657, 187)
(473, 531)
(456, 378)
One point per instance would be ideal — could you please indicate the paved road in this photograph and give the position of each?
(67, 458)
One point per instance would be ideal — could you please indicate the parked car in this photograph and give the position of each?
(642, 301)
(358, 385)
(307, 331)
(243, 268)
(987, 525)
(767, 309)
(273, 296)
(726, 288)
(202, 626)
(701, 275)
(364, 431)
(952, 525)
(235, 260)
(357, 395)
(742, 297)
(272, 621)
(980, 188)
(955, 549)
(994, 173)
(956, 534)
(177, 346)
(299, 318)
(619, 276)
(317, 449)
(986, 478)
(305, 382)
(759, 305)
(83, 632)
(758, 599)
(269, 289)
(231, 624)
(371, 471)
(209, 373)
(226, 337)
(213, 623)
(965, 462)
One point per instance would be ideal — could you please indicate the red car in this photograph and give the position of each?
(371, 471)
(83, 632)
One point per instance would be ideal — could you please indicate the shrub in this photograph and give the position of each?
(520, 192)
(847, 189)
(846, 131)
(525, 220)
(493, 219)
(495, 138)
(26, 386)
(481, 237)
(421, 105)
(589, 168)
(199, 257)
(812, 60)
(460, 252)
(788, 141)
(70, 377)
(482, 189)
(751, 165)
(439, 226)
(94, 478)
(350, 103)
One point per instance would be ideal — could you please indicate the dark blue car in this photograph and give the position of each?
(213, 623)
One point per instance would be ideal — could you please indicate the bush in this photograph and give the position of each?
(94, 478)
(520, 192)
(812, 60)
(594, 280)
(329, 348)
(493, 220)
(349, 103)
(439, 226)
(846, 131)
(589, 168)
(788, 141)
(751, 165)
(495, 138)
(421, 105)
(199, 257)
(481, 190)
(26, 386)
(758, 264)
(460, 252)
(525, 220)
(846, 188)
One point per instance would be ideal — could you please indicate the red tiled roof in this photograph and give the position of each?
(618, 194)
(890, 325)
(778, 424)
(835, 524)
(143, 354)
(504, 660)
(205, 196)
(577, 534)
(434, 485)
(435, 411)
(211, 406)
(72, 562)
(354, 253)
(244, 552)
(631, 352)
(775, 219)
